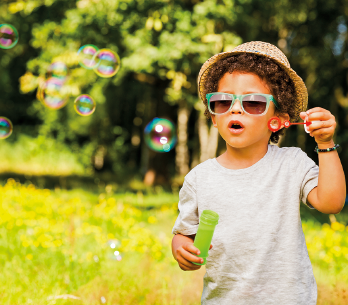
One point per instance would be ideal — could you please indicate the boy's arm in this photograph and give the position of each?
(330, 194)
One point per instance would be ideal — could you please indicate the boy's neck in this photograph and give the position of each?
(239, 158)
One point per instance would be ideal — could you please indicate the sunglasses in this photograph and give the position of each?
(254, 103)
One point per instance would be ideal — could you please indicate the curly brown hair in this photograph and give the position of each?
(278, 81)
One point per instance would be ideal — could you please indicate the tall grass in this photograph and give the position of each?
(55, 249)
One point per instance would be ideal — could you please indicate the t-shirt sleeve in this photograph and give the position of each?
(309, 172)
(188, 219)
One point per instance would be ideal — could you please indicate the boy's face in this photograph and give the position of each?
(255, 131)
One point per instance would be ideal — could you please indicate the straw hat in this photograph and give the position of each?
(263, 49)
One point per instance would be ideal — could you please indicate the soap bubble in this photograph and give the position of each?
(88, 56)
(84, 105)
(115, 254)
(5, 127)
(109, 63)
(113, 243)
(58, 70)
(8, 36)
(160, 135)
(52, 93)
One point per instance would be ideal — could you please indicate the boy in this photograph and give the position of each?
(259, 254)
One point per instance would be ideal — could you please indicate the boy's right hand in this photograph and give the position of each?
(185, 257)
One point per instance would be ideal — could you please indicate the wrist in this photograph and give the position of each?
(326, 145)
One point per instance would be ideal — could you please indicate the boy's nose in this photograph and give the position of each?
(237, 107)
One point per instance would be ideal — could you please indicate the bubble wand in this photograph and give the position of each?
(274, 124)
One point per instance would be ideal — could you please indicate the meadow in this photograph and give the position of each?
(83, 247)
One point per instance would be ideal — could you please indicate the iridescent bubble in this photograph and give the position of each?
(116, 256)
(52, 93)
(109, 63)
(113, 243)
(5, 127)
(88, 56)
(8, 36)
(84, 105)
(58, 70)
(160, 135)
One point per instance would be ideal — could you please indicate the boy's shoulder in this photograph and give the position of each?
(287, 151)
(290, 155)
(203, 167)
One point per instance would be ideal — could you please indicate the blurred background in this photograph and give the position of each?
(59, 168)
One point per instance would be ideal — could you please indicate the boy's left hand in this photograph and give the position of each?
(324, 130)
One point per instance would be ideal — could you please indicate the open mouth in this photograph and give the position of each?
(235, 125)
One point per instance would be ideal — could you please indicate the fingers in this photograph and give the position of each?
(325, 125)
(322, 115)
(303, 115)
(189, 247)
(185, 257)
(321, 124)
(323, 134)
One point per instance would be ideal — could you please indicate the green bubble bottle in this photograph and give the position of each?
(207, 222)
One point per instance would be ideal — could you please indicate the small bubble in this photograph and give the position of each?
(103, 300)
(5, 128)
(96, 258)
(84, 105)
(109, 63)
(8, 36)
(88, 56)
(113, 243)
(160, 135)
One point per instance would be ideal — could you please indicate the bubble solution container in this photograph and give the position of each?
(207, 222)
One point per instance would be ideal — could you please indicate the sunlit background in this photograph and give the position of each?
(100, 121)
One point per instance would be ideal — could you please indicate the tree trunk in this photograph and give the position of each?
(182, 155)
(208, 138)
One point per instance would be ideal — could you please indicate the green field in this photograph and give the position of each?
(55, 249)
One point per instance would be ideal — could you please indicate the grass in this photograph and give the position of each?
(55, 249)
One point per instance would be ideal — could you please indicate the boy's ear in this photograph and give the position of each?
(213, 120)
(283, 117)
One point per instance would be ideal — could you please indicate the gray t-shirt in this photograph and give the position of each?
(259, 253)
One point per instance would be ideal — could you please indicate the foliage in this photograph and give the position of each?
(327, 245)
(59, 240)
(162, 45)
(56, 241)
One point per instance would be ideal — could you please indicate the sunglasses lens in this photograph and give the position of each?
(220, 103)
(254, 104)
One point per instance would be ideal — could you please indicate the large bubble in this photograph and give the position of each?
(84, 105)
(160, 135)
(109, 63)
(5, 127)
(52, 93)
(8, 36)
(88, 56)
